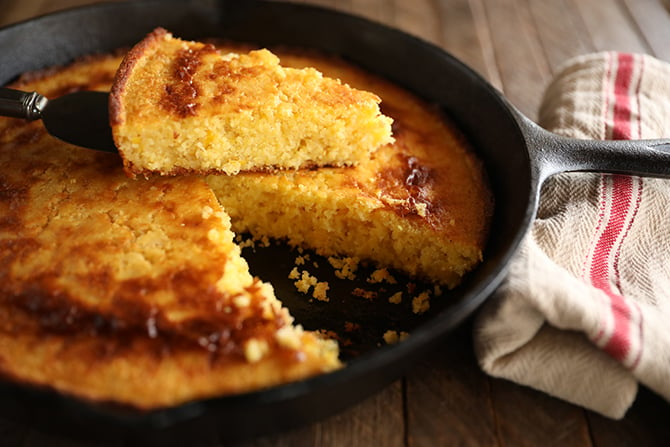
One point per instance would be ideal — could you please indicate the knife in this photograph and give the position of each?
(80, 118)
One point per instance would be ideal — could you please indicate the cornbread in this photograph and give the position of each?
(420, 205)
(133, 291)
(129, 291)
(178, 106)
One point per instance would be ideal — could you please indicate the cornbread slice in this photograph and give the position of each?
(420, 205)
(129, 291)
(179, 107)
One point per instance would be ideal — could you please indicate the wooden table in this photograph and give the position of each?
(446, 400)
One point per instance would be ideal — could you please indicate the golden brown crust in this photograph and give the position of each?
(124, 71)
(420, 205)
(179, 106)
(74, 319)
(130, 291)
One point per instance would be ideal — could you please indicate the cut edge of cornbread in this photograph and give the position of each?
(181, 107)
(336, 226)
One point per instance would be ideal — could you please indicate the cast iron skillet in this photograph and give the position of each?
(517, 154)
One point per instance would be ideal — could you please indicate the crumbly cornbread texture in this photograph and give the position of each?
(129, 291)
(179, 106)
(420, 205)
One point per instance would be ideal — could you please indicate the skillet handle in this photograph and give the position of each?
(552, 154)
(18, 104)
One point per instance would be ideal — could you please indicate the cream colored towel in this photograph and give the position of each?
(585, 312)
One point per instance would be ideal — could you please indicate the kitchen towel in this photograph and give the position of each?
(584, 314)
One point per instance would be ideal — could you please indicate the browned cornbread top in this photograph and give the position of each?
(126, 290)
(420, 204)
(179, 106)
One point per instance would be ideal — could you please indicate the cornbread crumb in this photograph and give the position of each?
(351, 327)
(396, 298)
(264, 241)
(381, 275)
(207, 211)
(421, 209)
(367, 294)
(392, 337)
(320, 290)
(305, 282)
(246, 243)
(421, 302)
(294, 274)
(242, 301)
(300, 260)
(255, 350)
(289, 336)
(327, 334)
(345, 268)
(437, 290)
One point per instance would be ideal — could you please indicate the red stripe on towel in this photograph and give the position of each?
(620, 195)
(617, 198)
(622, 113)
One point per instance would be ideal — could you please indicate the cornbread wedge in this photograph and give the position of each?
(129, 291)
(420, 205)
(179, 107)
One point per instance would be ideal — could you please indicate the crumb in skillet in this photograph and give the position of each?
(304, 282)
(351, 327)
(345, 268)
(381, 275)
(392, 337)
(367, 294)
(396, 298)
(320, 290)
(421, 302)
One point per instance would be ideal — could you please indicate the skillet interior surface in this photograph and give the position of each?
(476, 108)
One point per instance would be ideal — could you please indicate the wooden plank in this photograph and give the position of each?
(530, 418)
(652, 18)
(464, 32)
(19, 10)
(376, 10)
(645, 425)
(524, 70)
(524, 34)
(420, 18)
(378, 420)
(562, 32)
(610, 26)
(448, 400)
(446, 395)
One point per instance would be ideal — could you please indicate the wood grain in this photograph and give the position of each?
(517, 45)
(523, 69)
(651, 18)
(610, 26)
(560, 39)
(464, 32)
(448, 398)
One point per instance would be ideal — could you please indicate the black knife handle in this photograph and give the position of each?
(18, 104)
